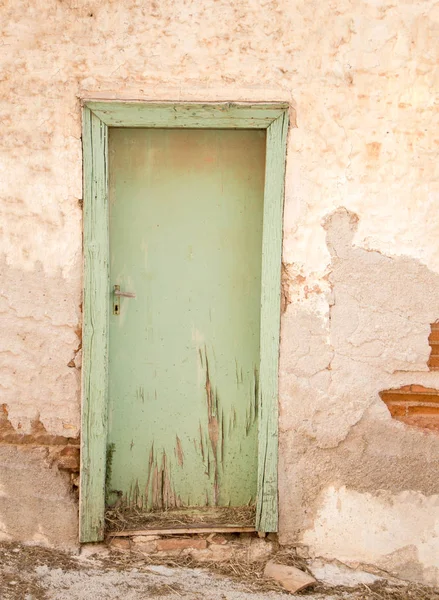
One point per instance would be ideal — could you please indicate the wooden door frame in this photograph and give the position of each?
(98, 116)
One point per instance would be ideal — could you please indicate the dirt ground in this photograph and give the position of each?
(35, 573)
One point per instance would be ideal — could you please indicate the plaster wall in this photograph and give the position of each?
(361, 257)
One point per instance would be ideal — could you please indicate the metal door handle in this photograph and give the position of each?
(118, 294)
(124, 294)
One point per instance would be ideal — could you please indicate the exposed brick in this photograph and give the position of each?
(120, 544)
(433, 363)
(180, 544)
(38, 435)
(392, 396)
(418, 407)
(147, 547)
(397, 410)
(68, 458)
(214, 553)
(423, 410)
(422, 389)
(433, 339)
(217, 539)
(221, 552)
(204, 555)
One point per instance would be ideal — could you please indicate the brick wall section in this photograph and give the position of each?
(38, 435)
(64, 451)
(433, 361)
(417, 405)
(414, 405)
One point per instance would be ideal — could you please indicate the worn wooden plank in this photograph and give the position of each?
(180, 530)
(95, 329)
(267, 506)
(190, 115)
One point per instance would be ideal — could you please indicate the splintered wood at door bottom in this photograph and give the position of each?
(158, 493)
(227, 517)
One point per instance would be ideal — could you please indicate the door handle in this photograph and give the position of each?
(124, 294)
(118, 294)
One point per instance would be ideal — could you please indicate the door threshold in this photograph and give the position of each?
(181, 529)
(208, 519)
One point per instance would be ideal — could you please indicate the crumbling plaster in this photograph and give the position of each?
(339, 446)
(361, 255)
(36, 504)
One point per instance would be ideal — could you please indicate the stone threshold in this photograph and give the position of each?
(203, 545)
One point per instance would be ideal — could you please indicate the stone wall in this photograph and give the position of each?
(361, 257)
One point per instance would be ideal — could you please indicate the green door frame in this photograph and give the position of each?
(98, 116)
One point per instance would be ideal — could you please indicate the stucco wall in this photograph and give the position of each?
(361, 274)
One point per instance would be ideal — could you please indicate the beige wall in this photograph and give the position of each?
(361, 251)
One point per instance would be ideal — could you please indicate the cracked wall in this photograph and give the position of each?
(360, 288)
(346, 466)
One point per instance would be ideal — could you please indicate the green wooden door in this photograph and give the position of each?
(185, 237)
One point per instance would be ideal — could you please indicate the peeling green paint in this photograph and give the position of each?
(186, 238)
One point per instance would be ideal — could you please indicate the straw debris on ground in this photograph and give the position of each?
(35, 573)
(251, 575)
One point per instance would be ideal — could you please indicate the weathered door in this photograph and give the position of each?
(185, 238)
